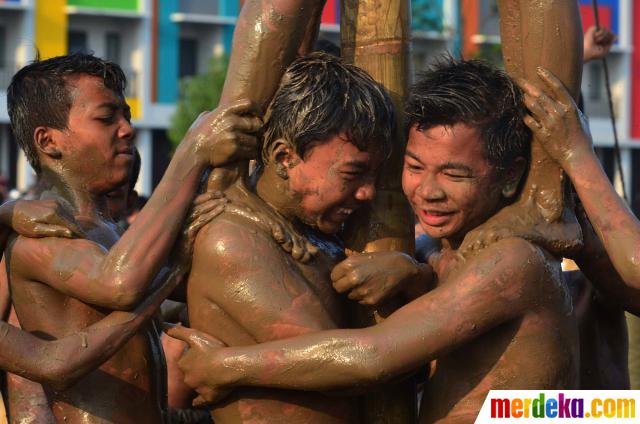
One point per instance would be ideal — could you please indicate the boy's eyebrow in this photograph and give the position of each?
(412, 155)
(458, 166)
(357, 164)
(109, 105)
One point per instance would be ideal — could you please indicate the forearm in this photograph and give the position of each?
(60, 363)
(266, 40)
(326, 361)
(615, 224)
(143, 249)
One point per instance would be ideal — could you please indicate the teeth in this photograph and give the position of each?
(345, 211)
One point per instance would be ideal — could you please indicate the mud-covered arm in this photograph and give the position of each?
(35, 218)
(499, 285)
(268, 36)
(564, 133)
(598, 269)
(60, 363)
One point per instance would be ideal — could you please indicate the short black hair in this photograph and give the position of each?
(40, 94)
(319, 97)
(477, 94)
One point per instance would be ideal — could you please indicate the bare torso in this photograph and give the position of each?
(129, 388)
(244, 289)
(536, 351)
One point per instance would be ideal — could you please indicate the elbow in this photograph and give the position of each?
(125, 298)
(59, 376)
(371, 369)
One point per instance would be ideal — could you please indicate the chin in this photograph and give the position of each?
(329, 228)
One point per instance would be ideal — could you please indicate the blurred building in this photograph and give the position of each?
(157, 42)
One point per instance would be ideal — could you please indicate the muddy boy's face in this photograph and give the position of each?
(448, 181)
(97, 146)
(334, 179)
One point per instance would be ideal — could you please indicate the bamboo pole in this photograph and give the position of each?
(375, 37)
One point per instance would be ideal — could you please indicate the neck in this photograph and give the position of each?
(274, 190)
(75, 196)
(451, 243)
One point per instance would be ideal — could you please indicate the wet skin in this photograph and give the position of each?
(490, 322)
(244, 289)
(56, 363)
(564, 134)
(60, 287)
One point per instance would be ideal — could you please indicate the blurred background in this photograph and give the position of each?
(174, 54)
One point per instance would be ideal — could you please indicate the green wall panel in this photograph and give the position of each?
(128, 5)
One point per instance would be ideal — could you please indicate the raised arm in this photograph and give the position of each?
(495, 287)
(268, 36)
(118, 278)
(564, 133)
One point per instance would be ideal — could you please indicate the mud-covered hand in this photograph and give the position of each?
(280, 229)
(39, 218)
(597, 43)
(226, 134)
(206, 206)
(196, 364)
(371, 278)
(555, 120)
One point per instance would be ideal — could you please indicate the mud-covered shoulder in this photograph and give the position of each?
(533, 269)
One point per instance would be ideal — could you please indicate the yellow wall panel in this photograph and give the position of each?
(136, 107)
(51, 27)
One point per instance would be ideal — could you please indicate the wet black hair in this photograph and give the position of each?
(476, 94)
(40, 94)
(319, 97)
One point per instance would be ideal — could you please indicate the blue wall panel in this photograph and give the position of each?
(168, 53)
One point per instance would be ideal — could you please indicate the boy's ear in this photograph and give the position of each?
(46, 142)
(283, 157)
(513, 177)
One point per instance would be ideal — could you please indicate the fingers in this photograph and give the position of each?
(339, 271)
(207, 206)
(555, 86)
(537, 107)
(242, 106)
(206, 196)
(188, 335)
(204, 219)
(46, 230)
(199, 401)
(533, 125)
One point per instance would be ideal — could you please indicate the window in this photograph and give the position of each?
(188, 57)
(595, 80)
(77, 42)
(3, 47)
(112, 47)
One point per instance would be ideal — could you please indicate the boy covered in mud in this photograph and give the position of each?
(328, 130)
(490, 321)
(69, 116)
